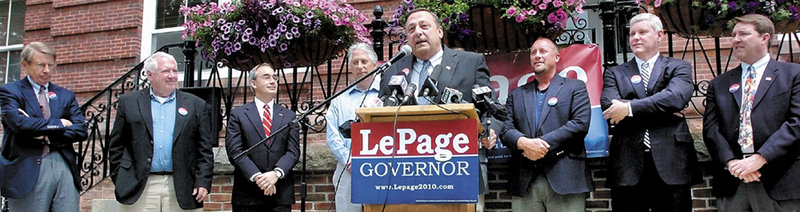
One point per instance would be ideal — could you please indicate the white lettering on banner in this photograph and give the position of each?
(578, 70)
(409, 136)
(365, 143)
(408, 169)
(502, 82)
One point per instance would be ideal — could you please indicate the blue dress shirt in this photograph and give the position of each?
(163, 111)
(343, 108)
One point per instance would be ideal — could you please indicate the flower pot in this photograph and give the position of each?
(315, 51)
(496, 34)
(786, 26)
(683, 19)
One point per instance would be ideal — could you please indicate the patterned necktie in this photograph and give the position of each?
(423, 75)
(45, 106)
(645, 71)
(745, 124)
(266, 121)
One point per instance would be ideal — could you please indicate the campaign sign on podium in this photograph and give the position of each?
(415, 162)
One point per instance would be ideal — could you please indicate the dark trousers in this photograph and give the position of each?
(261, 208)
(652, 193)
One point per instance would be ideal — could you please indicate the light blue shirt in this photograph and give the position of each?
(343, 108)
(36, 87)
(163, 111)
(417, 66)
(759, 66)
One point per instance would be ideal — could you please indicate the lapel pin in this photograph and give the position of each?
(768, 78)
(405, 71)
(447, 67)
(183, 111)
(52, 95)
(552, 101)
(636, 79)
(733, 88)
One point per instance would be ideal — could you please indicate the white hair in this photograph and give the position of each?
(654, 20)
(151, 63)
(364, 47)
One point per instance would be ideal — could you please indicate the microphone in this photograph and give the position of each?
(451, 96)
(409, 95)
(429, 89)
(397, 85)
(483, 98)
(405, 50)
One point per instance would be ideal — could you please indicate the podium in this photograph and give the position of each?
(426, 118)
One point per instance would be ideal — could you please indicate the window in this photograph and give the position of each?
(12, 30)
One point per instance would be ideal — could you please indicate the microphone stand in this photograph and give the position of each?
(303, 119)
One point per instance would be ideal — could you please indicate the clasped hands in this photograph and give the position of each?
(747, 169)
(266, 181)
(533, 148)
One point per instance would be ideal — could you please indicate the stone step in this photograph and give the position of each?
(104, 205)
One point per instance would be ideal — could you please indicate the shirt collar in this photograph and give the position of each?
(162, 100)
(36, 86)
(651, 61)
(375, 86)
(758, 66)
(260, 104)
(435, 60)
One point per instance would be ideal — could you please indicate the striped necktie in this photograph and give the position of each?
(266, 121)
(645, 71)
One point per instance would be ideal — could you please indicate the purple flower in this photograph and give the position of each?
(237, 47)
(295, 19)
(295, 30)
(283, 47)
(512, 10)
(552, 18)
(732, 5)
(520, 18)
(558, 3)
(289, 36)
(310, 14)
(307, 22)
(273, 42)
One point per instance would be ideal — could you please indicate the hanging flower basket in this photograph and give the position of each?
(285, 33)
(700, 18)
(496, 34)
(493, 25)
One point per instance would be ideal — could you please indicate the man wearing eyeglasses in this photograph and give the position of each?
(38, 165)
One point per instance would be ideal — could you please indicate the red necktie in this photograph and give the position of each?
(266, 121)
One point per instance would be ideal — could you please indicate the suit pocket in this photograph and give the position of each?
(683, 138)
(125, 164)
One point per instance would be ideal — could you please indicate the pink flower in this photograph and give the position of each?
(520, 18)
(570, 2)
(535, 2)
(579, 9)
(531, 12)
(558, 3)
(542, 6)
(657, 3)
(512, 10)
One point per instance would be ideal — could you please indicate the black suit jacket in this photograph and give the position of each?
(21, 153)
(776, 128)
(563, 125)
(131, 147)
(459, 70)
(669, 90)
(245, 130)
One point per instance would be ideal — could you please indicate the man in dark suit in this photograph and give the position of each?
(38, 165)
(752, 125)
(263, 178)
(160, 146)
(652, 162)
(455, 69)
(549, 119)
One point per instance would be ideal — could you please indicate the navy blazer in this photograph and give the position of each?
(245, 130)
(459, 70)
(776, 128)
(21, 153)
(563, 125)
(654, 108)
(131, 147)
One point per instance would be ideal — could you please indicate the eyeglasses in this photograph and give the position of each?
(50, 65)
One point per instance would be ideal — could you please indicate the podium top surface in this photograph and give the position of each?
(419, 113)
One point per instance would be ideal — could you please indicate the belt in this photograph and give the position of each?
(160, 173)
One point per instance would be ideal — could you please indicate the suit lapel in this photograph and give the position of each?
(770, 73)
(55, 102)
(30, 98)
(278, 119)
(449, 59)
(529, 105)
(736, 79)
(631, 70)
(144, 110)
(655, 74)
(180, 119)
(552, 92)
(255, 119)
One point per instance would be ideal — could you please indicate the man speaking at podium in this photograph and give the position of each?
(458, 70)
